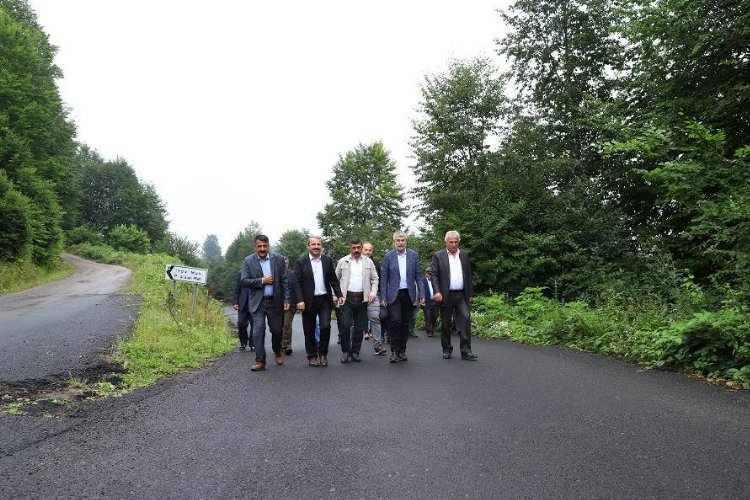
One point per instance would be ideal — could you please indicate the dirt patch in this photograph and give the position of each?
(58, 395)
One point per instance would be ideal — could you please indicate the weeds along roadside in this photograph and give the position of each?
(712, 343)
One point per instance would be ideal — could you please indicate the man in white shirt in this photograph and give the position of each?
(451, 280)
(359, 285)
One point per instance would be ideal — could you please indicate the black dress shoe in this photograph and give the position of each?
(345, 358)
(288, 351)
(402, 356)
(469, 357)
(242, 347)
(355, 357)
(394, 357)
(446, 355)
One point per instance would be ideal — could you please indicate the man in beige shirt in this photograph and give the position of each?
(359, 286)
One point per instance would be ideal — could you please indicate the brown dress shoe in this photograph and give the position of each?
(324, 361)
(258, 366)
(279, 358)
(314, 361)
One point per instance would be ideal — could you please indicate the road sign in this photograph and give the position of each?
(176, 272)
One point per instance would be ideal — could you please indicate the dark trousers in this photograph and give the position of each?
(266, 311)
(430, 315)
(353, 320)
(456, 310)
(244, 320)
(400, 314)
(319, 309)
(286, 330)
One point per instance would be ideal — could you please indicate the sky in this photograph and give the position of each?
(237, 111)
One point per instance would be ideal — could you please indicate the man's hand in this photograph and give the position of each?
(267, 280)
(421, 302)
(341, 301)
(236, 307)
(438, 297)
(384, 303)
(301, 306)
(371, 299)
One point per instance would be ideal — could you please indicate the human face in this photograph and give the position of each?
(452, 244)
(315, 246)
(368, 250)
(261, 248)
(356, 250)
(400, 242)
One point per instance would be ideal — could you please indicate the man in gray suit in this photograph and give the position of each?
(451, 280)
(264, 273)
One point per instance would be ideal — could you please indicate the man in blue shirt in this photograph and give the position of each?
(401, 285)
(264, 272)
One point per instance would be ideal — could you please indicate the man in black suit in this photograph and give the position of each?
(286, 335)
(451, 280)
(264, 273)
(244, 319)
(317, 285)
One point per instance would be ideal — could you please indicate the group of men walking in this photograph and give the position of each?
(267, 294)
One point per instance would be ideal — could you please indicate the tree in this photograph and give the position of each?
(211, 248)
(36, 139)
(115, 196)
(180, 247)
(460, 117)
(292, 244)
(690, 57)
(366, 201)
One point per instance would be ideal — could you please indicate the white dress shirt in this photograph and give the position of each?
(457, 271)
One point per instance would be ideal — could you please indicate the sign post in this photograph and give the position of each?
(194, 275)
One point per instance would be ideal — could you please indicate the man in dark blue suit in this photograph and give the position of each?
(401, 284)
(264, 273)
(244, 319)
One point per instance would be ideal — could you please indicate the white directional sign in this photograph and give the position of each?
(176, 272)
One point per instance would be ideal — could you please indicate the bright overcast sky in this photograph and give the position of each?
(237, 111)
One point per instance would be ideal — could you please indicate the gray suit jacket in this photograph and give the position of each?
(252, 274)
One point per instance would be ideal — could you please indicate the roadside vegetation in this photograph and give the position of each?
(18, 276)
(168, 337)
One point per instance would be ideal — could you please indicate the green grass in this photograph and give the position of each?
(17, 276)
(168, 337)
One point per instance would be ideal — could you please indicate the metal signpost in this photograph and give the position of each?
(194, 275)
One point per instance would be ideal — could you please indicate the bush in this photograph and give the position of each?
(84, 234)
(129, 238)
(100, 253)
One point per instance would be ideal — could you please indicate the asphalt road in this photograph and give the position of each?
(65, 326)
(522, 422)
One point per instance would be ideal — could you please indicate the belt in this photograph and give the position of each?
(356, 295)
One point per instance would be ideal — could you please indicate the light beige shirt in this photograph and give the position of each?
(369, 277)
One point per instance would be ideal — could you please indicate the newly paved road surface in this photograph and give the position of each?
(522, 422)
(63, 326)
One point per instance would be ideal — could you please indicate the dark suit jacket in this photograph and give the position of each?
(241, 293)
(252, 274)
(306, 281)
(390, 276)
(293, 299)
(441, 273)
